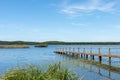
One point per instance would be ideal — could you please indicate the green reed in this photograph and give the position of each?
(53, 72)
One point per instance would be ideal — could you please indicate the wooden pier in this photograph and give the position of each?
(86, 55)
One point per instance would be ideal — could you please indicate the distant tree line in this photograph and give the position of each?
(57, 43)
(17, 42)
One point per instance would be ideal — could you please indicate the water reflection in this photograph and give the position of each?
(81, 65)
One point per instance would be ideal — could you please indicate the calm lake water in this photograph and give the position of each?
(10, 58)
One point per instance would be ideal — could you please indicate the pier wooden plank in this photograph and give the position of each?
(88, 53)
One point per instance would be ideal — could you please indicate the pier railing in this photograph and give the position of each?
(84, 54)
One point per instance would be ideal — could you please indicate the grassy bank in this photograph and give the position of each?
(14, 46)
(53, 72)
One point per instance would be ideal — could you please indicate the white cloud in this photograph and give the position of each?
(79, 24)
(73, 9)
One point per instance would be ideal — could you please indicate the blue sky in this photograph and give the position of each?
(60, 20)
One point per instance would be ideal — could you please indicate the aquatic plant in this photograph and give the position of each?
(53, 72)
(14, 46)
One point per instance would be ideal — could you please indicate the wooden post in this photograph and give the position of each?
(84, 52)
(73, 51)
(60, 50)
(93, 57)
(78, 49)
(63, 51)
(91, 53)
(78, 52)
(100, 57)
(66, 51)
(69, 50)
(109, 56)
(81, 55)
(99, 50)
(86, 56)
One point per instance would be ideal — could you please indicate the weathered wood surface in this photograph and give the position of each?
(89, 53)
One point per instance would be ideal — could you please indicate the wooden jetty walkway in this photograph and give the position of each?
(85, 55)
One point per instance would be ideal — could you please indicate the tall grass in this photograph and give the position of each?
(53, 72)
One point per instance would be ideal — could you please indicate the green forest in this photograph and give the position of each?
(57, 43)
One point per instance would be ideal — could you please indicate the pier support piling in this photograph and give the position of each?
(69, 51)
(99, 57)
(73, 52)
(84, 52)
(85, 55)
(109, 57)
(90, 53)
